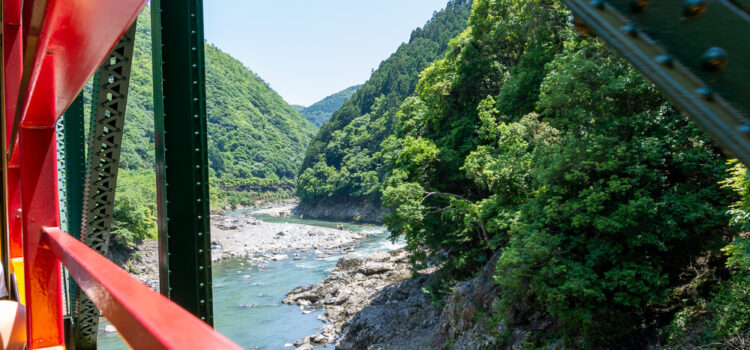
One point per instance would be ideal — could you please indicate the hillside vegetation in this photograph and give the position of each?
(608, 207)
(344, 161)
(256, 140)
(322, 111)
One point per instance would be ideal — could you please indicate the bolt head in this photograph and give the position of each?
(639, 6)
(714, 59)
(693, 8)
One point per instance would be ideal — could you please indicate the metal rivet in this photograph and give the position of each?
(580, 27)
(598, 4)
(202, 284)
(705, 92)
(639, 6)
(199, 200)
(197, 166)
(200, 251)
(200, 268)
(202, 301)
(693, 8)
(714, 59)
(200, 234)
(630, 29)
(665, 59)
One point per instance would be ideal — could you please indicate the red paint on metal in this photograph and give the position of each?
(145, 318)
(13, 55)
(39, 202)
(75, 38)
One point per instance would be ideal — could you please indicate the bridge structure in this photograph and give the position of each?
(59, 180)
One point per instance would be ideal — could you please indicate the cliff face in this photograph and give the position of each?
(353, 210)
(371, 304)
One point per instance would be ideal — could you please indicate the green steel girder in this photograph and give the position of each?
(75, 160)
(109, 104)
(72, 155)
(696, 51)
(181, 155)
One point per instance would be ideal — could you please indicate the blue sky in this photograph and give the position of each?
(309, 49)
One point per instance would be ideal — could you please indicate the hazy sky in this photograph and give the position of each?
(309, 49)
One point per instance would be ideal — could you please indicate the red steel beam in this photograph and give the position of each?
(13, 59)
(144, 318)
(63, 50)
(39, 204)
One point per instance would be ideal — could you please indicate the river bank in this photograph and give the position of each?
(240, 235)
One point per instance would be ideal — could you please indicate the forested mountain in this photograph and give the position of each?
(604, 211)
(256, 140)
(321, 111)
(344, 161)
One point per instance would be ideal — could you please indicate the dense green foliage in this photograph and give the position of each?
(256, 140)
(530, 140)
(344, 161)
(721, 314)
(321, 111)
(135, 207)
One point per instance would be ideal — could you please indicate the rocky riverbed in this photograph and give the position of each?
(370, 303)
(245, 236)
(377, 303)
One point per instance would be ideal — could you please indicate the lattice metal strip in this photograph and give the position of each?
(110, 103)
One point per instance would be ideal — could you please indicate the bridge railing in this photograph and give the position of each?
(144, 318)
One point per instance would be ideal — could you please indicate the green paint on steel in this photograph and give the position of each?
(110, 99)
(688, 39)
(75, 160)
(181, 155)
(74, 141)
(692, 50)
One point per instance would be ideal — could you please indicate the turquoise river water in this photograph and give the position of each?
(269, 324)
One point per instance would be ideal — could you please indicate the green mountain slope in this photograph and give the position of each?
(256, 140)
(323, 110)
(344, 162)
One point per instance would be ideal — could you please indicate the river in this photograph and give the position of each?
(249, 311)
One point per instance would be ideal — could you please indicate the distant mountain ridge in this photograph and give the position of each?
(344, 162)
(322, 111)
(256, 141)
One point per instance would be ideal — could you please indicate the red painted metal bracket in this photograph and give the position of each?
(72, 40)
(144, 318)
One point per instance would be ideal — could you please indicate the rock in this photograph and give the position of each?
(372, 268)
(279, 257)
(281, 234)
(347, 291)
(306, 347)
(288, 345)
(246, 277)
(110, 329)
(249, 306)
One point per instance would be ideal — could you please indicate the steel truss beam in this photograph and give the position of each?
(110, 98)
(181, 155)
(696, 52)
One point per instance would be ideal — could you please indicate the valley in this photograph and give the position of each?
(541, 194)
